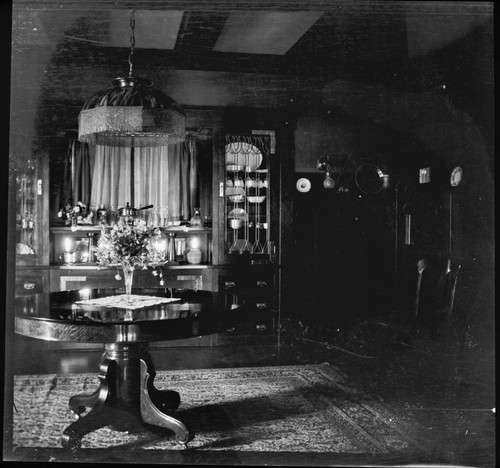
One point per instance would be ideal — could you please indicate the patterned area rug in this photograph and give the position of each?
(307, 408)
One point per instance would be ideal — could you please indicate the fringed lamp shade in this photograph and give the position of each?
(132, 113)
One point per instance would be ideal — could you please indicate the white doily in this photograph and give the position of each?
(134, 301)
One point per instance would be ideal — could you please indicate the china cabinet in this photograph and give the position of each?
(248, 225)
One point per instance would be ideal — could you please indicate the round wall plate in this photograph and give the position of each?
(303, 185)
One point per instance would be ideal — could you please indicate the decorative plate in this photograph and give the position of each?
(303, 185)
(243, 154)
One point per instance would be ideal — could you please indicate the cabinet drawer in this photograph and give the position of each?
(79, 280)
(232, 285)
(179, 281)
(255, 285)
(30, 283)
(252, 326)
(65, 280)
(260, 306)
(261, 288)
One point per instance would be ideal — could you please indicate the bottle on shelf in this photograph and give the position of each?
(171, 247)
(102, 215)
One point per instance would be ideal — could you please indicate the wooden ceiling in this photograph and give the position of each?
(362, 40)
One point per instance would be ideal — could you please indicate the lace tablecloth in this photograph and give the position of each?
(134, 301)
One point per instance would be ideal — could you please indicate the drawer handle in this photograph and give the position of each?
(262, 284)
(29, 285)
(229, 284)
(261, 305)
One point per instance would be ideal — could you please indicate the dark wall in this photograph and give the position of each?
(344, 250)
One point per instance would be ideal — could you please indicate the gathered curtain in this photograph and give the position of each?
(111, 177)
(165, 177)
(77, 174)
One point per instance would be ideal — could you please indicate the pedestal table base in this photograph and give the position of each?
(126, 399)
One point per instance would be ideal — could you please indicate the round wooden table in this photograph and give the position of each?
(126, 398)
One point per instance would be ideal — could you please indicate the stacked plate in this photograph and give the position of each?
(243, 155)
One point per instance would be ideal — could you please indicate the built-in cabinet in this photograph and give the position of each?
(239, 240)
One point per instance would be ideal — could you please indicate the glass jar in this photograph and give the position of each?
(194, 255)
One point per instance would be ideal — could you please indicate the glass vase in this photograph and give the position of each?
(128, 278)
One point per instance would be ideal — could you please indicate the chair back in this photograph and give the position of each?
(436, 288)
(448, 290)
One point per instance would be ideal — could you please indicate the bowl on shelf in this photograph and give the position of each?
(235, 191)
(235, 223)
(257, 199)
(236, 198)
(173, 223)
(238, 213)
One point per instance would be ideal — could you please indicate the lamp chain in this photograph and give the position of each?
(132, 42)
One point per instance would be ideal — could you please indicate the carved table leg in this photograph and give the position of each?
(164, 400)
(102, 413)
(78, 404)
(152, 415)
(98, 417)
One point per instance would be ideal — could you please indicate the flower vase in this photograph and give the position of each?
(128, 278)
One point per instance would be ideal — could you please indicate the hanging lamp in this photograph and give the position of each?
(131, 113)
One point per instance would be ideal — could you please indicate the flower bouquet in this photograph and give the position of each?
(130, 246)
(75, 214)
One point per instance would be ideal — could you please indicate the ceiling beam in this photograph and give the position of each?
(372, 6)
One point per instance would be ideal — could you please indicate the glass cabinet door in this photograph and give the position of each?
(30, 216)
(248, 220)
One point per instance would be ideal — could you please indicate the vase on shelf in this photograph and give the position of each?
(193, 256)
(128, 277)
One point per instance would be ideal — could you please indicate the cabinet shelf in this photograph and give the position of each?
(183, 236)
(81, 228)
(95, 266)
(97, 229)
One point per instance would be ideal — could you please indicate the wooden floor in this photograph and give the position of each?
(429, 377)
